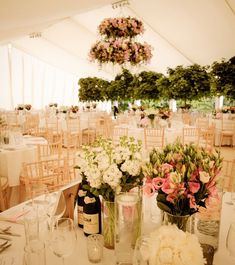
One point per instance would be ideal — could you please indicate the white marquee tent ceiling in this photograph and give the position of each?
(181, 31)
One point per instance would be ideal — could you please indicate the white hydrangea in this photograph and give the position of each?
(169, 245)
(132, 167)
(112, 176)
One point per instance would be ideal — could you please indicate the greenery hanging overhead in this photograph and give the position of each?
(146, 86)
(187, 83)
(223, 78)
(121, 87)
(92, 89)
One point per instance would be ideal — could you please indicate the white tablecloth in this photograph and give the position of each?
(11, 159)
(80, 254)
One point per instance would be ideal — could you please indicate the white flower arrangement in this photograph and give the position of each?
(170, 245)
(109, 168)
(151, 113)
(64, 109)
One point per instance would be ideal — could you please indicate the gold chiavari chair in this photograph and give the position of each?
(52, 174)
(227, 132)
(4, 193)
(117, 133)
(190, 135)
(227, 177)
(154, 138)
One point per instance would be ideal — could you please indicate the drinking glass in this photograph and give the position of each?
(63, 238)
(230, 240)
(55, 207)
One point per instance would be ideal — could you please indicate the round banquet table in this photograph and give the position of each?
(12, 156)
(15, 253)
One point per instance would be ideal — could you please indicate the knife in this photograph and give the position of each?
(9, 233)
(5, 238)
(4, 247)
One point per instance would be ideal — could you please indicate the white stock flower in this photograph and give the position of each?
(103, 161)
(204, 176)
(94, 177)
(132, 167)
(121, 154)
(112, 176)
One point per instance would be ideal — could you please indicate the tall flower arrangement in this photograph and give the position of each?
(109, 169)
(117, 44)
(184, 176)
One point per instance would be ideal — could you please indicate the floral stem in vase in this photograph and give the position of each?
(108, 226)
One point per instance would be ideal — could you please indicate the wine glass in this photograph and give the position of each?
(56, 206)
(141, 251)
(63, 238)
(230, 240)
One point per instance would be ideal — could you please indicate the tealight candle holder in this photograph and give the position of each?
(95, 244)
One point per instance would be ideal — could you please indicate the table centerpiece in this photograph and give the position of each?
(109, 170)
(184, 177)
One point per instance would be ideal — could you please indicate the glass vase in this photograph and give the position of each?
(128, 209)
(207, 222)
(183, 222)
(108, 223)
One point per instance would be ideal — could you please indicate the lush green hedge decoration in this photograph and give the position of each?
(223, 78)
(92, 89)
(187, 83)
(146, 86)
(121, 87)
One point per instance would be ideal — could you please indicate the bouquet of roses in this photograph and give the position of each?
(184, 177)
(109, 168)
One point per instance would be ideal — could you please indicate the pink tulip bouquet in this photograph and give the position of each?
(184, 177)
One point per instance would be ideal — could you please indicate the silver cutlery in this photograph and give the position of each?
(5, 247)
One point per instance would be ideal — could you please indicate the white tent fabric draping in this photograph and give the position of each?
(27, 80)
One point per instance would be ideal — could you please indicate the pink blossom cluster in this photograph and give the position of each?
(120, 51)
(184, 178)
(127, 27)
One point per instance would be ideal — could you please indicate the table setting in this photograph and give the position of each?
(131, 223)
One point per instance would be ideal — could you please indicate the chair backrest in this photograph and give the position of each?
(50, 173)
(227, 176)
(228, 125)
(73, 125)
(117, 133)
(202, 122)
(4, 193)
(190, 135)
(50, 151)
(154, 138)
(207, 138)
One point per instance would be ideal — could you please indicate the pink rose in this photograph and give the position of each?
(194, 187)
(192, 202)
(158, 182)
(148, 189)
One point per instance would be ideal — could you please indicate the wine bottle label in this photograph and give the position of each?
(81, 193)
(91, 223)
(80, 215)
(88, 200)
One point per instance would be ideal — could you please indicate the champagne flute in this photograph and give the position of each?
(230, 240)
(63, 238)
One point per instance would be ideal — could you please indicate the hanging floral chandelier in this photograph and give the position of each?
(117, 44)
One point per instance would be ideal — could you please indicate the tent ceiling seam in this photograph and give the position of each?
(229, 6)
(161, 36)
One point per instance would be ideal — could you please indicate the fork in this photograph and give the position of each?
(5, 247)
